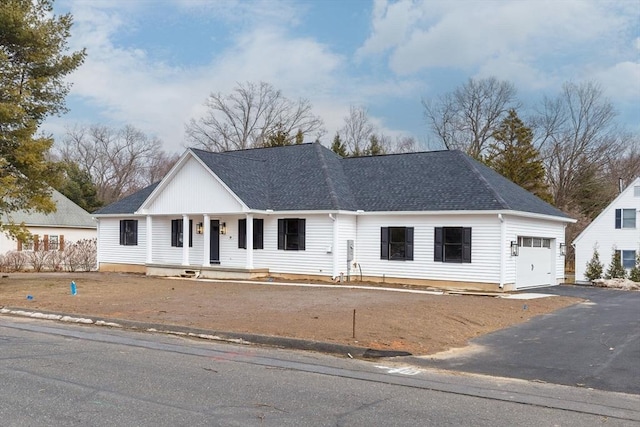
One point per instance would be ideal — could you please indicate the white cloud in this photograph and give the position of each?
(621, 81)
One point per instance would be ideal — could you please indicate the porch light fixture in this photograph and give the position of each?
(199, 228)
(514, 248)
(563, 249)
(223, 228)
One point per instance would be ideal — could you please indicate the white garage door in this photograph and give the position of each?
(534, 262)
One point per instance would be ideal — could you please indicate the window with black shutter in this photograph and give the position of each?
(291, 234)
(452, 244)
(258, 232)
(396, 243)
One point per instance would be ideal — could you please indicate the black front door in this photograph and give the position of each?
(214, 242)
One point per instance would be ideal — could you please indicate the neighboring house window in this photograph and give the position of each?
(53, 243)
(628, 259)
(176, 233)
(636, 191)
(396, 243)
(291, 234)
(452, 244)
(129, 232)
(258, 231)
(625, 218)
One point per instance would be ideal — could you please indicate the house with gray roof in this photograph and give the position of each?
(68, 224)
(437, 218)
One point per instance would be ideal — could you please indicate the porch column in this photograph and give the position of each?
(206, 250)
(249, 240)
(185, 239)
(149, 241)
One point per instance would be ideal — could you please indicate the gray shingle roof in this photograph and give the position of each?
(67, 214)
(129, 204)
(312, 177)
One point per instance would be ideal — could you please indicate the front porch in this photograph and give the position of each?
(206, 272)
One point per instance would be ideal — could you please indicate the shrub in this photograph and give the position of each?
(81, 255)
(594, 267)
(55, 260)
(37, 259)
(14, 261)
(616, 270)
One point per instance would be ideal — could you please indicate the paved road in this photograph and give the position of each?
(55, 374)
(594, 344)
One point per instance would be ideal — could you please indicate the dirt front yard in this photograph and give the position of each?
(417, 323)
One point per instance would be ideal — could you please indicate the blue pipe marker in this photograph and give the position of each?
(74, 290)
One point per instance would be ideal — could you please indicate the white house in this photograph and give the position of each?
(69, 223)
(436, 218)
(616, 228)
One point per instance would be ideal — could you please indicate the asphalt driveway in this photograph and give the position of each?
(593, 344)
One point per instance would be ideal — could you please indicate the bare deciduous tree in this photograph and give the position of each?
(466, 118)
(357, 130)
(119, 161)
(577, 136)
(247, 116)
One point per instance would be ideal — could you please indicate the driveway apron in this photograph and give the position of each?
(592, 344)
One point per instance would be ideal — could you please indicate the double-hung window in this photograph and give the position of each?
(452, 244)
(291, 234)
(177, 238)
(258, 232)
(128, 232)
(628, 259)
(625, 218)
(396, 243)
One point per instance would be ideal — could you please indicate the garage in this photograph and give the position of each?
(534, 266)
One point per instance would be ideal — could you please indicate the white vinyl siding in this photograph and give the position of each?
(109, 248)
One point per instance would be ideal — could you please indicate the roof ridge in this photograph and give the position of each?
(482, 178)
(327, 177)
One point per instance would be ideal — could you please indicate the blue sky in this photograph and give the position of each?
(152, 63)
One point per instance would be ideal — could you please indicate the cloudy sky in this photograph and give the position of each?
(152, 63)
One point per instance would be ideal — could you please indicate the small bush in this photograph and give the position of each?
(55, 260)
(594, 267)
(14, 261)
(81, 255)
(37, 259)
(634, 274)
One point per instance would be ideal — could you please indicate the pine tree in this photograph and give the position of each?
(594, 267)
(33, 67)
(77, 186)
(513, 155)
(278, 137)
(338, 146)
(299, 137)
(634, 274)
(374, 148)
(615, 270)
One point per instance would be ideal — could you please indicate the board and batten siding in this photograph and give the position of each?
(485, 256)
(109, 248)
(531, 227)
(193, 190)
(602, 233)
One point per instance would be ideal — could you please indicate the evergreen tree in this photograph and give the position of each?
(278, 137)
(594, 267)
(299, 137)
(634, 274)
(77, 186)
(374, 148)
(33, 67)
(338, 146)
(513, 155)
(616, 270)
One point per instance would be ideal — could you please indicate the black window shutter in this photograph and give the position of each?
(242, 233)
(190, 233)
(618, 218)
(174, 232)
(408, 238)
(384, 242)
(301, 234)
(122, 231)
(135, 232)
(258, 231)
(281, 234)
(437, 244)
(466, 244)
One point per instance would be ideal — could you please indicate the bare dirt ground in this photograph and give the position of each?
(417, 323)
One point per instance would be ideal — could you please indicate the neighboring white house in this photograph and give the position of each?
(436, 218)
(616, 228)
(68, 224)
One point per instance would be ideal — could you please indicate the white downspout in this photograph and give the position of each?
(335, 271)
(503, 233)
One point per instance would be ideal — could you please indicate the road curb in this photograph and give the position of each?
(229, 337)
